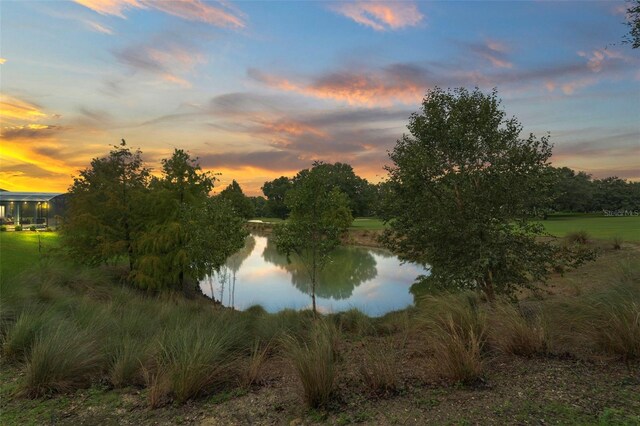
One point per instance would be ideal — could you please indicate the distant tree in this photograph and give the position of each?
(241, 204)
(633, 22)
(276, 191)
(341, 175)
(613, 193)
(259, 206)
(460, 191)
(572, 192)
(101, 219)
(319, 218)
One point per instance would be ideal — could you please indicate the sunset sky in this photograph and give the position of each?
(258, 90)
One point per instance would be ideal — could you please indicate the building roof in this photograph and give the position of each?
(28, 196)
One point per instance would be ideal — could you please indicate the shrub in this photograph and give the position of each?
(354, 321)
(380, 370)
(32, 228)
(3, 228)
(617, 242)
(18, 228)
(62, 360)
(314, 362)
(578, 237)
(512, 333)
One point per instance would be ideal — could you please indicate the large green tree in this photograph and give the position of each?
(102, 217)
(319, 217)
(460, 192)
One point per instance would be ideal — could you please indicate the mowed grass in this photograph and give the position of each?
(368, 223)
(19, 250)
(597, 226)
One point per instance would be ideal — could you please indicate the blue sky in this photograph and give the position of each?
(261, 89)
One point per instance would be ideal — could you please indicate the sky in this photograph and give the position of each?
(257, 90)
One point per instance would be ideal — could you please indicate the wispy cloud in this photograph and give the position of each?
(397, 83)
(18, 109)
(166, 56)
(495, 52)
(220, 15)
(380, 15)
(99, 27)
(29, 131)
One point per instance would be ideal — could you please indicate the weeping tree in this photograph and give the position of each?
(188, 234)
(103, 209)
(460, 193)
(319, 217)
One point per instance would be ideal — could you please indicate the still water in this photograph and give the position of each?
(372, 280)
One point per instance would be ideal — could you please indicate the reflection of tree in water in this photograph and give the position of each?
(227, 273)
(349, 267)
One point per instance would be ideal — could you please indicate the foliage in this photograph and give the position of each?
(633, 22)
(461, 188)
(241, 204)
(275, 191)
(319, 218)
(17, 228)
(168, 227)
(101, 215)
(360, 193)
(579, 192)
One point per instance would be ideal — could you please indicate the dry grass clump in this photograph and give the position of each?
(380, 368)
(61, 360)
(20, 335)
(513, 333)
(257, 358)
(314, 360)
(613, 321)
(457, 329)
(191, 360)
(578, 237)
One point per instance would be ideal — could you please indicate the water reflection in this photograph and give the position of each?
(372, 280)
(347, 268)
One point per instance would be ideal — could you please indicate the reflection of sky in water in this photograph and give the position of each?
(276, 285)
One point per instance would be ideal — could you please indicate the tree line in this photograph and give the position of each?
(462, 197)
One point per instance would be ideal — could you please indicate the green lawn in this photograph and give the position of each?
(598, 226)
(18, 250)
(368, 223)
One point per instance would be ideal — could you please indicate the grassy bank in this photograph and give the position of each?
(80, 347)
(20, 250)
(597, 226)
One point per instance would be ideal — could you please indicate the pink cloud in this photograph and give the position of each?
(381, 16)
(191, 10)
(354, 88)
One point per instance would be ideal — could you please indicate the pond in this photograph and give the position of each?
(371, 280)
